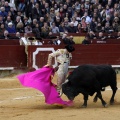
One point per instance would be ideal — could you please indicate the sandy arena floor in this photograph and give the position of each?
(20, 103)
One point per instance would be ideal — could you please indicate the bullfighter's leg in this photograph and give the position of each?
(114, 89)
(61, 76)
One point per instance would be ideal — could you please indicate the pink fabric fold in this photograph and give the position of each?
(41, 80)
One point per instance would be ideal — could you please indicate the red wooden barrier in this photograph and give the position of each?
(9, 42)
(108, 41)
(14, 56)
(84, 54)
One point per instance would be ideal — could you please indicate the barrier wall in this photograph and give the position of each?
(14, 56)
(84, 54)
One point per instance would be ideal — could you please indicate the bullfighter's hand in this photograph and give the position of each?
(56, 68)
(49, 66)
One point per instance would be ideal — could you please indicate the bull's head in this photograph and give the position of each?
(69, 90)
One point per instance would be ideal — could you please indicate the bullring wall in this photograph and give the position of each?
(15, 56)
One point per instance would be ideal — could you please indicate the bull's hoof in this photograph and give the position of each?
(83, 106)
(111, 102)
(105, 105)
(95, 100)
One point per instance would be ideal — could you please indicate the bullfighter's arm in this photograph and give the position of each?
(51, 56)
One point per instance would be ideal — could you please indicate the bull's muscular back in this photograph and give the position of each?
(86, 75)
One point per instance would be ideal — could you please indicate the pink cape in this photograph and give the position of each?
(41, 80)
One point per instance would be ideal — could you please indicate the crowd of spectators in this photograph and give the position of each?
(46, 17)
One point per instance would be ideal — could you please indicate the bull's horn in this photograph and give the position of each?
(61, 93)
(65, 81)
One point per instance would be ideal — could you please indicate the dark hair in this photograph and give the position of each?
(70, 48)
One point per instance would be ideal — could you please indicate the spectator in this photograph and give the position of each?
(115, 26)
(87, 4)
(99, 27)
(83, 24)
(36, 12)
(21, 6)
(56, 8)
(110, 35)
(20, 27)
(65, 39)
(39, 41)
(93, 25)
(19, 13)
(2, 3)
(52, 14)
(41, 22)
(118, 35)
(54, 28)
(5, 35)
(34, 22)
(25, 21)
(7, 7)
(18, 20)
(62, 28)
(3, 13)
(55, 41)
(88, 29)
(57, 19)
(36, 31)
(79, 28)
(77, 5)
(101, 36)
(77, 16)
(87, 18)
(17, 36)
(28, 28)
(28, 8)
(47, 8)
(62, 14)
(70, 13)
(43, 11)
(91, 35)
(107, 28)
(45, 30)
(2, 28)
(66, 22)
(71, 40)
(74, 21)
(11, 28)
(24, 40)
(107, 20)
(86, 41)
(8, 20)
(13, 13)
(71, 28)
(1, 19)
(35, 41)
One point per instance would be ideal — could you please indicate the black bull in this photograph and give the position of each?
(88, 79)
